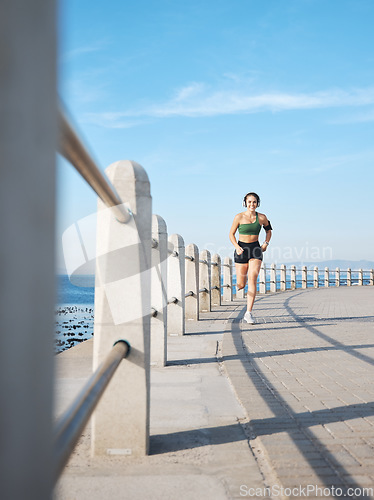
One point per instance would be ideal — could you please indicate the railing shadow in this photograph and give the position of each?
(295, 425)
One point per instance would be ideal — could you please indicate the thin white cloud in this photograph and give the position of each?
(200, 100)
(96, 46)
(112, 120)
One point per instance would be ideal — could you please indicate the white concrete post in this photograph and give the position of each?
(304, 277)
(159, 291)
(120, 424)
(293, 277)
(360, 277)
(337, 276)
(327, 277)
(316, 277)
(283, 282)
(349, 277)
(216, 280)
(27, 232)
(227, 279)
(192, 299)
(273, 278)
(205, 281)
(176, 286)
(371, 282)
(262, 285)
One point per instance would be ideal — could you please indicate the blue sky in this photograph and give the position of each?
(218, 98)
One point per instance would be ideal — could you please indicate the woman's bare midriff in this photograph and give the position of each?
(248, 238)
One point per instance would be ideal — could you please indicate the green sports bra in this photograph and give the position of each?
(250, 229)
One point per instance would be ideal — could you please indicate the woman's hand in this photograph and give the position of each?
(264, 247)
(239, 250)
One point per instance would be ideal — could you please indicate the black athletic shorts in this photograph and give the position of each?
(251, 251)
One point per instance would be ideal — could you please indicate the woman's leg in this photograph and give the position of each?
(254, 269)
(241, 275)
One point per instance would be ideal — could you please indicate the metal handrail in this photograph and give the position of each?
(189, 294)
(70, 426)
(189, 258)
(173, 300)
(71, 147)
(203, 290)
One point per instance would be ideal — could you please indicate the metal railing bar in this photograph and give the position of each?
(189, 294)
(203, 261)
(173, 300)
(203, 290)
(70, 426)
(189, 258)
(71, 147)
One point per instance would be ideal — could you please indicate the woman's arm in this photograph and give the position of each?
(267, 226)
(233, 229)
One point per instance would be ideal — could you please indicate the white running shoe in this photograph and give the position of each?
(248, 318)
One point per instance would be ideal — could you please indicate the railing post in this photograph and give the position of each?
(283, 282)
(293, 277)
(205, 281)
(192, 300)
(360, 277)
(120, 424)
(227, 279)
(327, 277)
(27, 267)
(316, 277)
(273, 278)
(216, 280)
(371, 282)
(349, 277)
(304, 277)
(176, 285)
(159, 291)
(337, 276)
(262, 285)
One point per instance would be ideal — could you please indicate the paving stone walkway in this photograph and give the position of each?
(280, 409)
(304, 373)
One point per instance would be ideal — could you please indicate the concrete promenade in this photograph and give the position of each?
(283, 406)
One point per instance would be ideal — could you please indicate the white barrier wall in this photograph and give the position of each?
(176, 286)
(192, 296)
(227, 279)
(205, 281)
(159, 291)
(216, 280)
(120, 424)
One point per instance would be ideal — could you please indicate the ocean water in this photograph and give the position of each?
(74, 313)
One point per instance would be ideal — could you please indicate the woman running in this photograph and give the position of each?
(248, 252)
